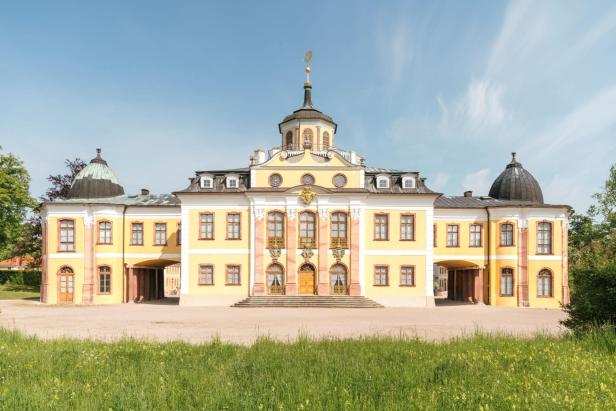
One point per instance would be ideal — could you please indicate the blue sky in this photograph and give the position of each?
(445, 88)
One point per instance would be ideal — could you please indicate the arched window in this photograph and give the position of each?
(288, 140)
(307, 136)
(506, 282)
(307, 231)
(339, 230)
(326, 142)
(275, 279)
(104, 232)
(338, 279)
(275, 229)
(544, 283)
(104, 279)
(66, 278)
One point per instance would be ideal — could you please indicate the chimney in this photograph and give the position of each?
(145, 192)
(468, 193)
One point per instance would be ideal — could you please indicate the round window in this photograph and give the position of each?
(275, 180)
(339, 180)
(308, 179)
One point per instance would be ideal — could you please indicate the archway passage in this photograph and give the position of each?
(306, 279)
(461, 281)
(338, 279)
(146, 280)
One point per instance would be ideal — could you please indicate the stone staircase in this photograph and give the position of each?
(308, 301)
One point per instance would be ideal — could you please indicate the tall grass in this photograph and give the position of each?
(480, 372)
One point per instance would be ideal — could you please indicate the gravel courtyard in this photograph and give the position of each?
(166, 322)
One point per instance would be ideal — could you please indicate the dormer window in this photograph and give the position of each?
(233, 181)
(382, 181)
(207, 182)
(408, 182)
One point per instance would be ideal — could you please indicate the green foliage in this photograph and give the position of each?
(31, 278)
(362, 374)
(594, 300)
(15, 201)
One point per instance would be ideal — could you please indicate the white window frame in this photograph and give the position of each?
(230, 178)
(411, 179)
(384, 178)
(207, 178)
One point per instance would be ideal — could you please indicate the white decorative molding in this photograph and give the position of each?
(291, 213)
(356, 212)
(65, 255)
(150, 256)
(323, 212)
(227, 251)
(258, 212)
(420, 253)
(545, 257)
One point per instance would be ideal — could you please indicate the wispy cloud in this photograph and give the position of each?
(394, 44)
(479, 181)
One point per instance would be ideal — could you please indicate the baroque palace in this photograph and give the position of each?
(306, 218)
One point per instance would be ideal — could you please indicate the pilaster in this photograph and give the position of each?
(291, 269)
(354, 283)
(259, 284)
(323, 286)
(523, 266)
(87, 293)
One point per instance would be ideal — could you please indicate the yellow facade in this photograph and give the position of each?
(344, 228)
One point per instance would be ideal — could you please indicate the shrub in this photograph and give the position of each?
(593, 298)
(32, 278)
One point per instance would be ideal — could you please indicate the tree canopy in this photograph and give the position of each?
(15, 201)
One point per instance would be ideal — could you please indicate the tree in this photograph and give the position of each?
(592, 261)
(15, 201)
(61, 183)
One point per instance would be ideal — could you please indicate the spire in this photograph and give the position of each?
(98, 159)
(307, 84)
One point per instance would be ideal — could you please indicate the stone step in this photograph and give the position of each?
(317, 301)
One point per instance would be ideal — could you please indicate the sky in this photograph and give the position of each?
(446, 88)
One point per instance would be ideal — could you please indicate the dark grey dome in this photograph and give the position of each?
(308, 111)
(515, 183)
(96, 180)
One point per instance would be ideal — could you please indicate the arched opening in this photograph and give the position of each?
(275, 279)
(338, 279)
(307, 136)
(288, 140)
(306, 277)
(66, 285)
(151, 280)
(545, 283)
(458, 280)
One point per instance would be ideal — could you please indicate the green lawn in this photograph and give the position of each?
(477, 373)
(18, 292)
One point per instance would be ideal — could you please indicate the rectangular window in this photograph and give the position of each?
(160, 234)
(206, 275)
(407, 227)
(206, 226)
(104, 232)
(233, 226)
(307, 229)
(339, 230)
(435, 231)
(179, 234)
(275, 229)
(475, 235)
(506, 235)
(452, 235)
(104, 280)
(381, 227)
(136, 234)
(506, 284)
(233, 275)
(544, 238)
(67, 235)
(381, 275)
(407, 276)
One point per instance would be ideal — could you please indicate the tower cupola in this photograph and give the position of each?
(515, 183)
(96, 180)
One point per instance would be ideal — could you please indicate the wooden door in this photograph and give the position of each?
(67, 288)
(306, 281)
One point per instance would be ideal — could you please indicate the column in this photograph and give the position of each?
(89, 262)
(354, 286)
(523, 268)
(323, 287)
(479, 286)
(258, 287)
(565, 262)
(291, 237)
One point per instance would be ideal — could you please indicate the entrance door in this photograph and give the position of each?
(67, 287)
(338, 279)
(306, 280)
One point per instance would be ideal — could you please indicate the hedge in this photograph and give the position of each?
(32, 278)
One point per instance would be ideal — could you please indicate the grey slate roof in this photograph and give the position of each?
(486, 201)
(151, 200)
(515, 183)
(308, 111)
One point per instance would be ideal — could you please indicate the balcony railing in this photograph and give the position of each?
(275, 242)
(339, 242)
(307, 242)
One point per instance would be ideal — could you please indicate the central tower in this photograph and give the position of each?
(307, 127)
